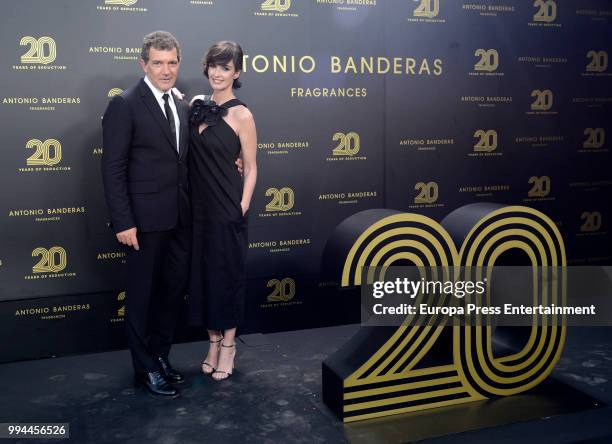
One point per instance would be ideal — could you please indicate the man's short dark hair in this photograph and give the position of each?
(161, 40)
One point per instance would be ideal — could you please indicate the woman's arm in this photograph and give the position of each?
(248, 140)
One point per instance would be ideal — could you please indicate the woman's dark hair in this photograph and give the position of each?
(222, 52)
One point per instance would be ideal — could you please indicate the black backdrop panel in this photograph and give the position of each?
(419, 106)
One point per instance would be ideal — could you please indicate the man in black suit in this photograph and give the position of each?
(144, 168)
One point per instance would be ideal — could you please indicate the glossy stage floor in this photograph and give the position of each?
(275, 397)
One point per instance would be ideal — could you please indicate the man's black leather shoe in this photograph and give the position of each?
(168, 372)
(156, 385)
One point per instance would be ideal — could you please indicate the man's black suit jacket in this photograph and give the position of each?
(145, 178)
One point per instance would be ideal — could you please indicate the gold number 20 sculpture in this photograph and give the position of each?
(385, 371)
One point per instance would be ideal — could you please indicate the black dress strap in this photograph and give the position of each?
(233, 102)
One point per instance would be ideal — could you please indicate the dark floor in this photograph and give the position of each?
(274, 397)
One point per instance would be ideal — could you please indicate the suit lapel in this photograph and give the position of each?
(152, 105)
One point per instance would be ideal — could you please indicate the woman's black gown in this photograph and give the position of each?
(217, 286)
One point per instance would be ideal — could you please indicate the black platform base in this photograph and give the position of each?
(551, 398)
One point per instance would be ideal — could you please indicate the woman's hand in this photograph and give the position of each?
(198, 97)
(244, 207)
(177, 93)
(239, 166)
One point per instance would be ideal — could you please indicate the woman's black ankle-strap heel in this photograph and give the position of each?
(206, 365)
(221, 371)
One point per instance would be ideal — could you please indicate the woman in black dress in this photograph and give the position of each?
(222, 130)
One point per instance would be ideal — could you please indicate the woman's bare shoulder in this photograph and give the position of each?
(243, 114)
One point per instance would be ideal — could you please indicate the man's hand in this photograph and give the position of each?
(128, 237)
(239, 165)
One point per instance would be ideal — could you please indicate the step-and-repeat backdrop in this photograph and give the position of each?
(414, 105)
